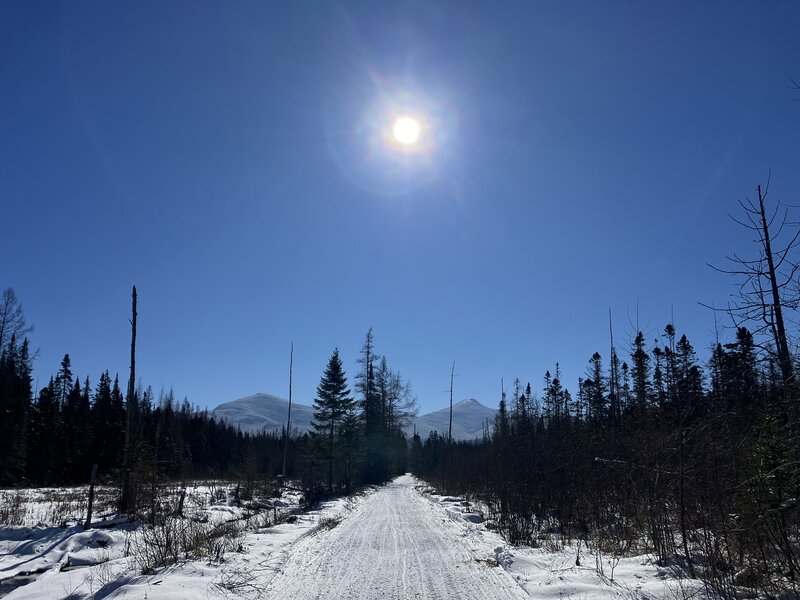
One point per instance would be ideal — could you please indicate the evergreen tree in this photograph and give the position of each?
(596, 389)
(44, 458)
(370, 412)
(15, 408)
(641, 378)
(108, 425)
(74, 434)
(333, 406)
(64, 381)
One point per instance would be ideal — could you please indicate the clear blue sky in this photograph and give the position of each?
(224, 157)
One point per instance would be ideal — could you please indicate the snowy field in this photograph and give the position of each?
(550, 571)
(401, 540)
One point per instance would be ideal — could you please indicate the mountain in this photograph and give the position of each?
(469, 418)
(264, 411)
(267, 412)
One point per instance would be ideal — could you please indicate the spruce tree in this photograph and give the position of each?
(15, 407)
(370, 411)
(642, 388)
(333, 407)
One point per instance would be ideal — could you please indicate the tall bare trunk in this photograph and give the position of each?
(289, 416)
(450, 427)
(784, 358)
(128, 500)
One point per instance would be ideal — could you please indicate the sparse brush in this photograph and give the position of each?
(12, 509)
(327, 523)
(156, 546)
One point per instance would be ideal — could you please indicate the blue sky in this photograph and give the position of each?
(225, 158)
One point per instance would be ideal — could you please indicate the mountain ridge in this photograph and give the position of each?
(267, 412)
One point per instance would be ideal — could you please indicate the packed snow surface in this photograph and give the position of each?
(392, 546)
(400, 540)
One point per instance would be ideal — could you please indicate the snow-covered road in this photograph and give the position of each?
(395, 544)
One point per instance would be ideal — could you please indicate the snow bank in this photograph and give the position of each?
(38, 562)
(553, 573)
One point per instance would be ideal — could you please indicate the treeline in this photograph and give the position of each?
(661, 453)
(70, 425)
(358, 440)
(56, 435)
(694, 461)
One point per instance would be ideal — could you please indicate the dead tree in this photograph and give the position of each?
(288, 417)
(12, 319)
(450, 426)
(768, 283)
(128, 500)
(88, 522)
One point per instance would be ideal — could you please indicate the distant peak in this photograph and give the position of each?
(468, 402)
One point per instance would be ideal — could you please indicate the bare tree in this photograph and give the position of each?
(12, 319)
(768, 283)
(450, 426)
(128, 499)
(288, 416)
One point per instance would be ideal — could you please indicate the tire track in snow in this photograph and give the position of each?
(393, 545)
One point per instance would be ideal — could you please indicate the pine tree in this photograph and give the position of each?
(333, 406)
(642, 388)
(370, 412)
(72, 436)
(15, 407)
(44, 459)
(596, 388)
(64, 381)
(108, 424)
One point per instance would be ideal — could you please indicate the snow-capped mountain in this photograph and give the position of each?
(469, 418)
(261, 412)
(264, 412)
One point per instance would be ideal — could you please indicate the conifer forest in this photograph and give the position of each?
(690, 454)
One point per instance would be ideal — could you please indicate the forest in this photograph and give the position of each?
(56, 435)
(694, 460)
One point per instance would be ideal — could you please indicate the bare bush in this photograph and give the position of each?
(12, 509)
(239, 582)
(173, 539)
(327, 523)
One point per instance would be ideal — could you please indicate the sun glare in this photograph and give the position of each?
(406, 130)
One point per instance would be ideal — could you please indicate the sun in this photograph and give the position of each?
(406, 130)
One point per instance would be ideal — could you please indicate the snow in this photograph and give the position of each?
(469, 418)
(68, 562)
(261, 412)
(392, 546)
(551, 572)
(399, 540)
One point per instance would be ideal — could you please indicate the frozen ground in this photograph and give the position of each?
(401, 540)
(549, 573)
(392, 546)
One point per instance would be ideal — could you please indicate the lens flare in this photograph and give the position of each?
(406, 130)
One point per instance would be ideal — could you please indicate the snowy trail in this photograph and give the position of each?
(394, 545)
